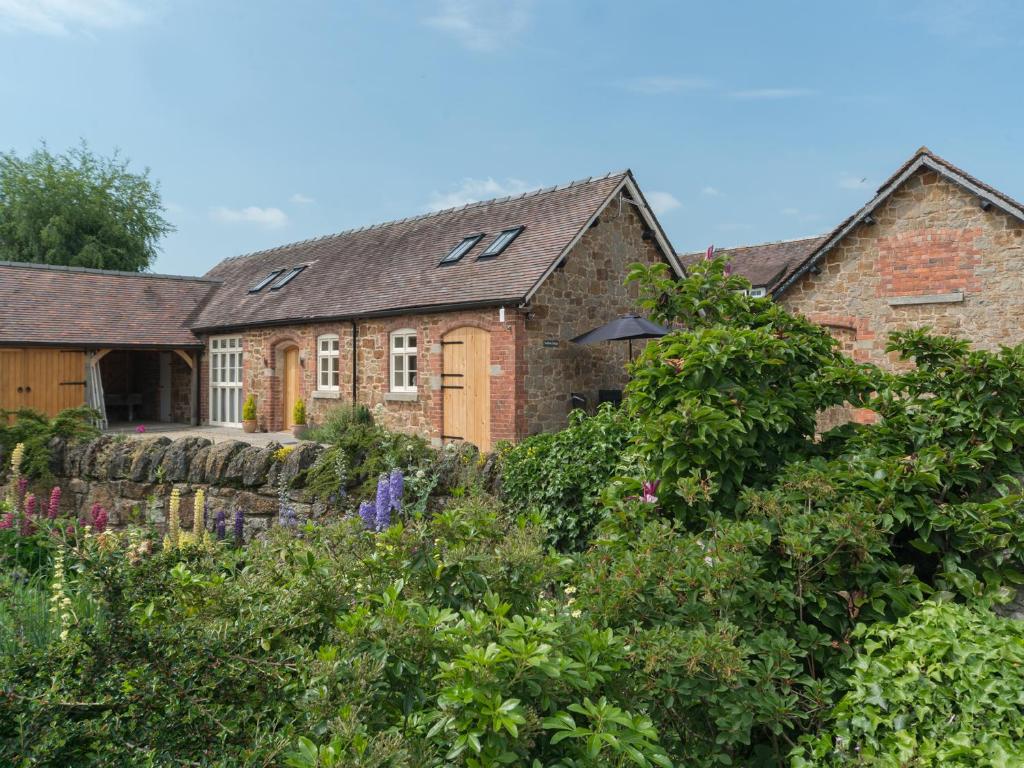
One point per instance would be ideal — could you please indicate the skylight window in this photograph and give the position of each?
(502, 241)
(265, 281)
(290, 275)
(462, 248)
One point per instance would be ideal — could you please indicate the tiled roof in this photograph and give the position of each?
(393, 267)
(42, 304)
(765, 264)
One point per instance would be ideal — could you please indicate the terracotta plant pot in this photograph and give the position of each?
(299, 431)
(249, 425)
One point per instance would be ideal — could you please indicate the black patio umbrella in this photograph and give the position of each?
(625, 328)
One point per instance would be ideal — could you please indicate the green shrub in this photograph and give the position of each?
(560, 476)
(36, 430)
(337, 421)
(249, 408)
(299, 412)
(942, 687)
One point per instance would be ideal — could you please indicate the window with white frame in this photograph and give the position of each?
(403, 360)
(226, 380)
(327, 363)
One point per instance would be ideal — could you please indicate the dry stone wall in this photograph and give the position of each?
(132, 478)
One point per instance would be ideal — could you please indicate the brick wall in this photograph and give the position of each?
(931, 243)
(587, 291)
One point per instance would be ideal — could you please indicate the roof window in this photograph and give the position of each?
(462, 248)
(502, 241)
(265, 281)
(288, 276)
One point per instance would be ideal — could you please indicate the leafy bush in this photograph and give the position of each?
(438, 643)
(942, 687)
(299, 412)
(249, 408)
(560, 477)
(35, 431)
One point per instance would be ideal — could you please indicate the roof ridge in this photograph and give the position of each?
(758, 245)
(427, 215)
(113, 272)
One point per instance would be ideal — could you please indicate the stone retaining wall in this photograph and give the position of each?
(132, 478)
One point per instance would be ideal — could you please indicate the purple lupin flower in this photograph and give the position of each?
(22, 490)
(397, 489)
(54, 507)
(27, 526)
(7, 521)
(220, 525)
(383, 506)
(368, 515)
(728, 269)
(239, 527)
(709, 254)
(99, 518)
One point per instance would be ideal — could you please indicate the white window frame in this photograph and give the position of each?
(226, 380)
(332, 356)
(403, 353)
(757, 293)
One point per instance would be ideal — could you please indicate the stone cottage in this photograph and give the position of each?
(933, 247)
(455, 324)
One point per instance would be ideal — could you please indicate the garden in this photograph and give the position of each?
(695, 578)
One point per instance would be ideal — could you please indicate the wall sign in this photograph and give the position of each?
(550, 342)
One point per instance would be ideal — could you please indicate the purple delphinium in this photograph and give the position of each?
(288, 517)
(368, 515)
(397, 489)
(239, 527)
(220, 525)
(383, 506)
(54, 508)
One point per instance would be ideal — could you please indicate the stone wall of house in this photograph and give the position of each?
(933, 258)
(586, 291)
(419, 412)
(132, 479)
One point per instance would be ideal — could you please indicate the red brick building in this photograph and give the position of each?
(933, 247)
(455, 324)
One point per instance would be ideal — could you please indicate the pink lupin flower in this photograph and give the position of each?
(709, 254)
(141, 428)
(728, 269)
(54, 507)
(27, 526)
(22, 489)
(99, 518)
(7, 521)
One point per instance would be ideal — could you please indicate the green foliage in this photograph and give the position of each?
(249, 408)
(299, 412)
(560, 477)
(726, 402)
(79, 210)
(443, 642)
(338, 421)
(36, 431)
(360, 452)
(942, 687)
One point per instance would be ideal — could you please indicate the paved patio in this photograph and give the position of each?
(213, 434)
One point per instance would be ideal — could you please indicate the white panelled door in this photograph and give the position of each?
(226, 381)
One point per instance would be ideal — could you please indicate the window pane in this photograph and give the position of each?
(411, 342)
(398, 342)
(398, 362)
(412, 378)
(335, 372)
(412, 362)
(334, 345)
(397, 380)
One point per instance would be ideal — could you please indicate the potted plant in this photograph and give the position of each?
(249, 414)
(299, 419)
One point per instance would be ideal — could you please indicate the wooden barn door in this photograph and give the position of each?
(45, 380)
(290, 386)
(466, 386)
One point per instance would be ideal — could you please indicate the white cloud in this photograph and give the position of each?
(850, 181)
(64, 17)
(770, 94)
(790, 211)
(271, 218)
(663, 202)
(658, 85)
(473, 190)
(300, 199)
(481, 25)
(711, 192)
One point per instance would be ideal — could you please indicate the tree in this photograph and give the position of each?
(77, 209)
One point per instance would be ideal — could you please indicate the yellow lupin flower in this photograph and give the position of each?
(198, 529)
(16, 456)
(174, 519)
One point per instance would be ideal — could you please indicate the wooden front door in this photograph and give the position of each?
(466, 386)
(290, 386)
(45, 380)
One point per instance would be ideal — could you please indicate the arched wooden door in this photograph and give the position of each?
(466, 386)
(289, 385)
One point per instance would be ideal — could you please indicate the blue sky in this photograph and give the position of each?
(267, 122)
